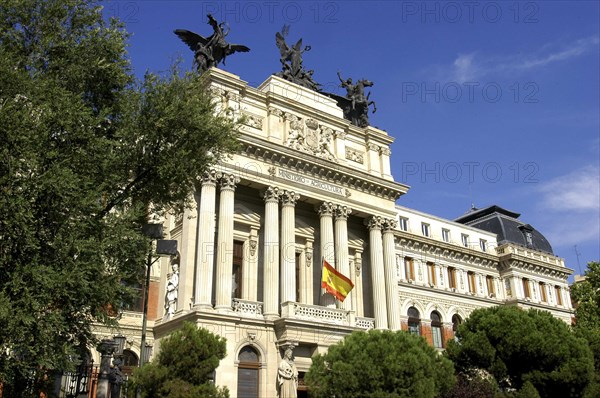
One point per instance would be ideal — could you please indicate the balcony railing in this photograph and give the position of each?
(247, 307)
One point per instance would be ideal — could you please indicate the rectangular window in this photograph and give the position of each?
(238, 261)
(452, 277)
(409, 269)
(543, 294)
(431, 273)
(471, 281)
(526, 290)
(557, 292)
(403, 223)
(483, 245)
(446, 235)
(425, 229)
(489, 281)
(464, 238)
(436, 332)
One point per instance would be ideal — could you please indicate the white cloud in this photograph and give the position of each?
(471, 67)
(571, 207)
(464, 70)
(576, 191)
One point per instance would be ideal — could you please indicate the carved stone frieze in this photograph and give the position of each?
(355, 156)
(310, 137)
(275, 112)
(253, 121)
(385, 151)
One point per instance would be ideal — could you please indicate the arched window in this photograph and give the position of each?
(414, 321)
(436, 330)
(130, 362)
(248, 368)
(456, 320)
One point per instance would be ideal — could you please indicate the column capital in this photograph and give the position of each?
(342, 212)
(289, 198)
(374, 222)
(388, 225)
(271, 194)
(228, 181)
(325, 209)
(209, 177)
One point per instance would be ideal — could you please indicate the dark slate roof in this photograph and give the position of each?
(506, 225)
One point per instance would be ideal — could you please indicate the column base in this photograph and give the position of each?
(203, 307)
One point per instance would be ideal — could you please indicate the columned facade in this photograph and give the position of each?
(308, 187)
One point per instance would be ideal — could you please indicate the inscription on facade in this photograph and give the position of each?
(305, 180)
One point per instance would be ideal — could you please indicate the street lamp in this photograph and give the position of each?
(163, 247)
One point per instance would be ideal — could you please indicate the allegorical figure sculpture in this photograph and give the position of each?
(291, 61)
(172, 288)
(355, 104)
(287, 376)
(212, 50)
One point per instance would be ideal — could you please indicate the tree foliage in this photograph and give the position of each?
(586, 299)
(380, 364)
(184, 365)
(84, 149)
(523, 348)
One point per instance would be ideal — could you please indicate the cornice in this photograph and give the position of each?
(445, 250)
(516, 261)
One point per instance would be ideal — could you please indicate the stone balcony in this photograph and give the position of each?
(324, 315)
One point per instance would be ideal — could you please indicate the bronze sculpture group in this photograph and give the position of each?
(211, 51)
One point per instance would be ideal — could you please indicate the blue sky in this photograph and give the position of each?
(490, 102)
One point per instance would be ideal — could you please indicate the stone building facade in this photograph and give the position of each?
(308, 185)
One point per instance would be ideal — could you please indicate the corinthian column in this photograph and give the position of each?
(288, 246)
(225, 242)
(377, 272)
(271, 253)
(327, 249)
(341, 248)
(206, 240)
(391, 280)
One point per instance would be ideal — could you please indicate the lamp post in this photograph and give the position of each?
(163, 247)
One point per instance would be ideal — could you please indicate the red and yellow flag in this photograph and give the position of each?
(335, 283)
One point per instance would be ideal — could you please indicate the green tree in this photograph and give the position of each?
(380, 364)
(85, 148)
(518, 347)
(472, 387)
(184, 365)
(586, 299)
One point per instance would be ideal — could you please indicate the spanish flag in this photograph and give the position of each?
(334, 282)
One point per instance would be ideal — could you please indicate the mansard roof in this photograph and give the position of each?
(507, 226)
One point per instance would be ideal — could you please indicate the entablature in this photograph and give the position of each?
(445, 251)
(307, 164)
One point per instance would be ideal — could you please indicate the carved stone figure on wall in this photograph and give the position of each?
(287, 376)
(212, 50)
(172, 288)
(291, 61)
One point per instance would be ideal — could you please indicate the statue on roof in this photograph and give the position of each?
(355, 105)
(212, 50)
(291, 61)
